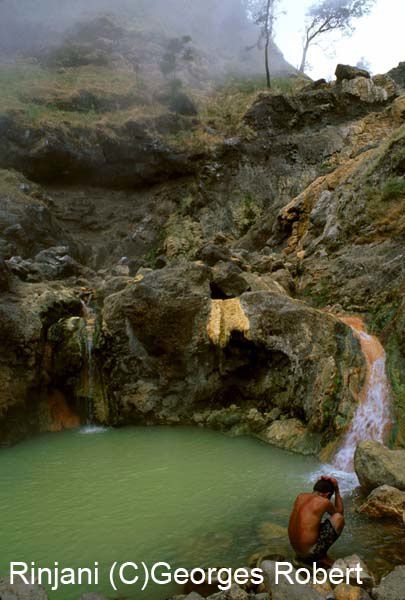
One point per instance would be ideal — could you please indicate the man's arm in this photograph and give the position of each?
(338, 507)
(338, 501)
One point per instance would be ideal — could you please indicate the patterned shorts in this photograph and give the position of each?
(327, 537)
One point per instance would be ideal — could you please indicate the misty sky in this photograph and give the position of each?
(379, 38)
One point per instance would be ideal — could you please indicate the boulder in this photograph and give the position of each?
(386, 83)
(350, 592)
(385, 502)
(234, 593)
(284, 590)
(171, 351)
(350, 562)
(366, 90)
(227, 281)
(291, 434)
(47, 265)
(376, 465)
(212, 253)
(392, 587)
(21, 591)
(348, 72)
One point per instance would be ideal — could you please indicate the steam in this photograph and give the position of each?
(218, 28)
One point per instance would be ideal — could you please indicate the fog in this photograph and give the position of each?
(221, 28)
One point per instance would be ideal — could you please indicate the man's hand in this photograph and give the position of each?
(333, 481)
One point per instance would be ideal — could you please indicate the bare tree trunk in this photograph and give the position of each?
(266, 60)
(304, 57)
(269, 32)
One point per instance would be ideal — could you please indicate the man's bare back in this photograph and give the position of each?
(309, 535)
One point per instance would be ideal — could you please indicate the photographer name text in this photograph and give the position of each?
(142, 576)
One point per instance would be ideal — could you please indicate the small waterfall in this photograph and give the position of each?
(372, 419)
(89, 317)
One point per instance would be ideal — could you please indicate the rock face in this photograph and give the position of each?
(391, 587)
(385, 502)
(118, 156)
(208, 287)
(352, 96)
(376, 466)
(25, 366)
(27, 224)
(173, 354)
(398, 74)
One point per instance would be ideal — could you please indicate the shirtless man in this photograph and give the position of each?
(310, 535)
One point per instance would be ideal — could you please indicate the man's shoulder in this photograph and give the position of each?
(304, 497)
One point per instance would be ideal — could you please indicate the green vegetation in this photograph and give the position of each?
(396, 370)
(393, 189)
(76, 95)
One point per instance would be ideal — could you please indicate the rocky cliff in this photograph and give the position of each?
(214, 251)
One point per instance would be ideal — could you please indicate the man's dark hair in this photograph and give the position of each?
(323, 486)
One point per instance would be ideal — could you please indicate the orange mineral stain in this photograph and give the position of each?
(62, 416)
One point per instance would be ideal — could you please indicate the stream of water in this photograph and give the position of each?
(372, 419)
(188, 496)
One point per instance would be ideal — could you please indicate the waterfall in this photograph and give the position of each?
(372, 419)
(89, 317)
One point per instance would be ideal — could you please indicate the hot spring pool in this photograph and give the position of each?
(190, 497)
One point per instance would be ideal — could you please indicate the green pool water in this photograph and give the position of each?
(186, 496)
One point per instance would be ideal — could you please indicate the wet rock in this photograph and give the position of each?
(352, 562)
(234, 593)
(392, 587)
(350, 592)
(348, 72)
(21, 591)
(284, 590)
(291, 434)
(25, 317)
(385, 502)
(376, 465)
